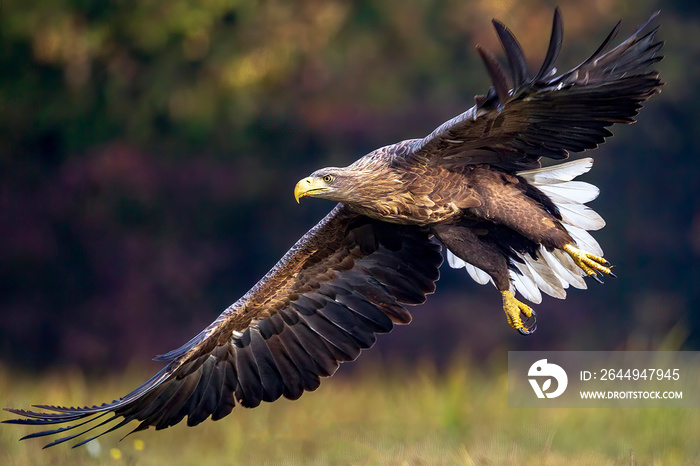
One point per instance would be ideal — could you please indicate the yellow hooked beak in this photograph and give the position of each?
(308, 187)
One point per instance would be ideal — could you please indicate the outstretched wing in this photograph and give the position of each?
(345, 281)
(523, 118)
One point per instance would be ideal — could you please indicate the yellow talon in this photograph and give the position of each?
(589, 263)
(513, 308)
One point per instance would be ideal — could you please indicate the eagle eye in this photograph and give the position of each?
(328, 178)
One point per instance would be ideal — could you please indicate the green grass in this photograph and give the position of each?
(415, 416)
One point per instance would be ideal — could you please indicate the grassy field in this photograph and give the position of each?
(416, 416)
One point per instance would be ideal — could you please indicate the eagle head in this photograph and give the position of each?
(334, 184)
(367, 185)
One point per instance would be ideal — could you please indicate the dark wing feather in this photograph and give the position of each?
(514, 53)
(517, 123)
(341, 284)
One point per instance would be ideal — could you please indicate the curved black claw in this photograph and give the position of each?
(529, 329)
(595, 277)
(612, 275)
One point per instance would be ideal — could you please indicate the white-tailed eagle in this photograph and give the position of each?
(474, 186)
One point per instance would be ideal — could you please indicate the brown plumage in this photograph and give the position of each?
(351, 276)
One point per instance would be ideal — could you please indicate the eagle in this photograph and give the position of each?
(473, 187)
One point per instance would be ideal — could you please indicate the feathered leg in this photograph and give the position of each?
(468, 246)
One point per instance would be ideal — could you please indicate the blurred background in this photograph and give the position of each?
(148, 153)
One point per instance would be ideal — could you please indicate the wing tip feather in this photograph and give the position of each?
(499, 81)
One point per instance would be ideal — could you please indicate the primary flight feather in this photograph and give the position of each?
(473, 186)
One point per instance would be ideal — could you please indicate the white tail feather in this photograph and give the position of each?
(546, 279)
(562, 270)
(454, 261)
(478, 275)
(557, 173)
(525, 283)
(571, 192)
(581, 216)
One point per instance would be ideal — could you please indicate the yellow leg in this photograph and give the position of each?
(513, 308)
(589, 263)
